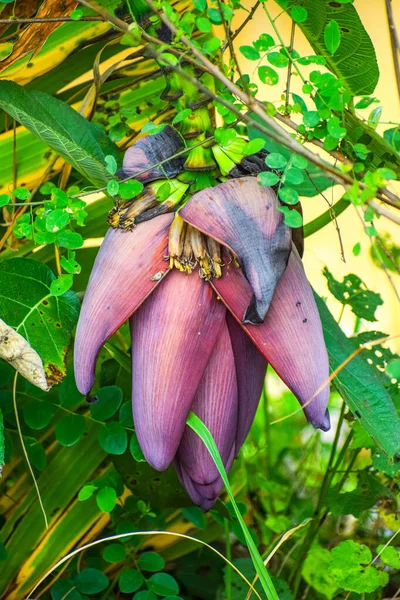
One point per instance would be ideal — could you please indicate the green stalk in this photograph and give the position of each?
(228, 554)
(326, 217)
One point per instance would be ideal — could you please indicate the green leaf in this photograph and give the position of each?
(181, 116)
(362, 498)
(196, 516)
(76, 15)
(70, 239)
(298, 14)
(288, 195)
(62, 284)
(130, 189)
(390, 556)
(21, 193)
(106, 499)
(70, 429)
(277, 59)
(113, 187)
(268, 75)
(109, 401)
(130, 581)
(249, 52)
(275, 160)
(293, 176)
(253, 146)
(4, 199)
(360, 386)
(354, 61)
(204, 433)
(316, 571)
(204, 25)
(78, 141)
(268, 178)
(354, 292)
(393, 368)
(163, 584)
(135, 449)
(332, 36)
(57, 219)
(113, 438)
(114, 553)
(91, 581)
(351, 571)
(44, 320)
(86, 492)
(38, 414)
(145, 595)
(291, 217)
(311, 118)
(151, 561)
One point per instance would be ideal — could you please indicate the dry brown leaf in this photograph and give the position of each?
(16, 350)
(34, 36)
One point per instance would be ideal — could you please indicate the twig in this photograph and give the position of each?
(394, 42)
(47, 20)
(289, 72)
(247, 19)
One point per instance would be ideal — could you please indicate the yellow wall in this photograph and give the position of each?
(323, 247)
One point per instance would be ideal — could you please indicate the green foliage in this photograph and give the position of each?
(353, 292)
(73, 137)
(28, 305)
(360, 386)
(351, 571)
(335, 32)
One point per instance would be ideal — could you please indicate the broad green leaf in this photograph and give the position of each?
(44, 320)
(350, 567)
(354, 61)
(78, 141)
(360, 386)
(316, 571)
(362, 498)
(196, 516)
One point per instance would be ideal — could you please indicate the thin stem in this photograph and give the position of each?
(21, 438)
(57, 258)
(326, 217)
(228, 554)
(47, 20)
(290, 65)
(247, 20)
(394, 42)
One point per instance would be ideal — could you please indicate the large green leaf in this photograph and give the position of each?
(59, 483)
(45, 321)
(360, 387)
(78, 141)
(354, 61)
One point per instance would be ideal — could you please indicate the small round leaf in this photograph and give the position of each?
(70, 429)
(106, 499)
(113, 438)
(109, 401)
(163, 584)
(151, 561)
(91, 581)
(130, 581)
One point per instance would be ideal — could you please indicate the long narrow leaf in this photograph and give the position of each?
(204, 433)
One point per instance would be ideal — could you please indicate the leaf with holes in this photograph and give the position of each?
(354, 292)
(44, 320)
(336, 32)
